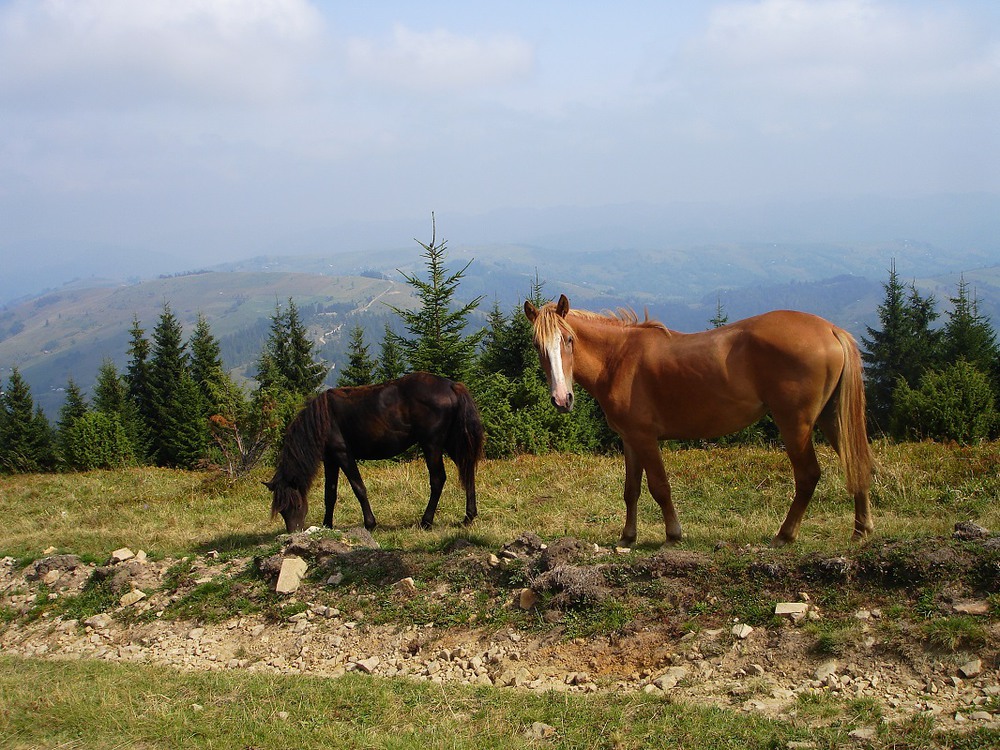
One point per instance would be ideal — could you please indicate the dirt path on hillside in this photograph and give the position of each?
(911, 628)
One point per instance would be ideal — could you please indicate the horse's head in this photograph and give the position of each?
(290, 502)
(554, 341)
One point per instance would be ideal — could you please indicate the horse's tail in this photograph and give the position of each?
(466, 437)
(855, 452)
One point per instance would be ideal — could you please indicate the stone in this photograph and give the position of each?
(405, 586)
(826, 670)
(971, 669)
(970, 530)
(527, 599)
(863, 734)
(293, 570)
(132, 597)
(670, 678)
(540, 731)
(978, 607)
(791, 608)
(368, 665)
(98, 622)
(121, 555)
(742, 631)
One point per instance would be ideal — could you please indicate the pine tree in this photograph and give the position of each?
(720, 318)
(185, 437)
(73, 409)
(904, 348)
(287, 362)
(207, 370)
(111, 398)
(139, 391)
(970, 336)
(26, 439)
(176, 399)
(390, 363)
(360, 366)
(437, 342)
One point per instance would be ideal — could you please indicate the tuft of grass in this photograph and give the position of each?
(955, 633)
(833, 638)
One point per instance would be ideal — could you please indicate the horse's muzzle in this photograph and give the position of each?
(563, 407)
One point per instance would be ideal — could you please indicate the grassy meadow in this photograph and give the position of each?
(736, 496)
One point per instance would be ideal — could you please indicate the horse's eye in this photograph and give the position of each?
(569, 340)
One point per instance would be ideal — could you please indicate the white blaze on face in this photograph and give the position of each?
(557, 378)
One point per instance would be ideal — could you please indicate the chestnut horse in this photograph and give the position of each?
(656, 384)
(344, 425)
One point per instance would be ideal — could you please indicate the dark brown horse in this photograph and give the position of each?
(344, 425)
(655, 384)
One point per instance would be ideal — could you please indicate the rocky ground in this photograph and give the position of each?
(909, 627)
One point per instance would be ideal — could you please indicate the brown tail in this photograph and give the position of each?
(466, 437)
(855, 452)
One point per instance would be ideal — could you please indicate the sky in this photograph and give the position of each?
(213, 130)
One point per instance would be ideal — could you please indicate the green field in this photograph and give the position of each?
(729, 500)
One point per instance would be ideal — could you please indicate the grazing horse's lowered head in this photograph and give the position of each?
(288, 502)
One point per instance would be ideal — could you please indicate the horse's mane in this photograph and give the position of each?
(548, 323)
(300, 454)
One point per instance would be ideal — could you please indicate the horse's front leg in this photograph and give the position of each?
(633, 485)
(331, 471)
(646, 456)
(435, 470)
(350, 467)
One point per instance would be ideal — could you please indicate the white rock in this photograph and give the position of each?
(121, 555)
(132, 597)
(742, 631)
(293, 569)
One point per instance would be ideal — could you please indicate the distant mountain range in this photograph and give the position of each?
(67, 332)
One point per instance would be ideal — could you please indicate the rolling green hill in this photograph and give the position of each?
(68, 333)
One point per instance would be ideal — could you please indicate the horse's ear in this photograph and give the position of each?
(530, 311)
(562, 307)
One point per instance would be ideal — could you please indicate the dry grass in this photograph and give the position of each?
(734, 495)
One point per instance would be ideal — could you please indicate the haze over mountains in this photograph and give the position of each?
(680, 262)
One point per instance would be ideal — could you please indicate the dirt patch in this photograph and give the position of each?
(911, 626)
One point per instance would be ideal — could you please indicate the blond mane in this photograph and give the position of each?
(548, 323)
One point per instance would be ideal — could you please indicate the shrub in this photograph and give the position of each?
(952, 404)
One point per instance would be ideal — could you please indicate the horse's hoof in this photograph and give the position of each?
(426, 525)
(780, 541)
(468, 520)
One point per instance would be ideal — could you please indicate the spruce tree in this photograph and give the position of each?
(111, 398)
(207, 369)
(390, 363)
(287, 362)
(720, 318)
(360, 366)
(73, 409)
(904, 348)
(139, 391)
(176, 398)
(970, 336)
(26, 440)
(437, 341)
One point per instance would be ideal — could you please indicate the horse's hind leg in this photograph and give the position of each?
(435, 470)
(806, 470)
(863, 524)
(331, 472)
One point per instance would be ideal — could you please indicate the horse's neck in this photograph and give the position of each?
(599, 348)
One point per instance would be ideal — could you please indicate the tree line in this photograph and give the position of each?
(176, 405)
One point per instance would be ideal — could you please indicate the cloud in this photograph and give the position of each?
(832, 48)
(129, 52)
(439, 60)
